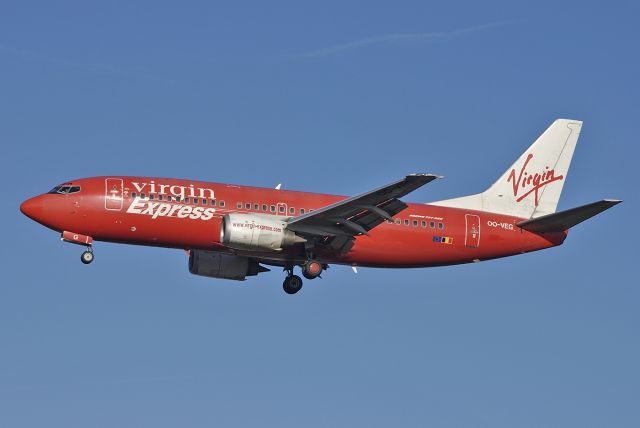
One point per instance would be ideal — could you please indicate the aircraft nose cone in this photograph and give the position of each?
(32, 208)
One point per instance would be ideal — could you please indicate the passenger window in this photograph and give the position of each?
(424, 223)
(142, 195)
(151, 196)
(186, 200)
(221, 204)
(256, 207)
(406, 222)
(264, 207)
(177, 198)
(398, 221)
(248, 205)
(281, 208)
(169, 198)
(213, 202)
(195, 201)
(292, 210)
(159, 197)
(440, 226)
(415, 223)
(301, 211)
(133, 194)
(432, 225)
(272, 208)
(239, 205)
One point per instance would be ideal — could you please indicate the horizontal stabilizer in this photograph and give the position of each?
(563, 220)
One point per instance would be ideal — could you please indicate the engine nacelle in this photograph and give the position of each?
(256, 232)
(219, 265)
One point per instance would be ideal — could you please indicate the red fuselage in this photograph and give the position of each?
(187, 215)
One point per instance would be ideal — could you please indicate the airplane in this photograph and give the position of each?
(233, 232)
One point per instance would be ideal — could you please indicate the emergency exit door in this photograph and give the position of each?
(472, 236)
(282, 208)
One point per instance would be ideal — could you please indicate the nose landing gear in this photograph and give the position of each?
(77, 238)
(87, 256)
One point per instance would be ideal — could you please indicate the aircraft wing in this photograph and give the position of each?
(336, 225)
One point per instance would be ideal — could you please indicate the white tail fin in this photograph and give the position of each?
(531, 187)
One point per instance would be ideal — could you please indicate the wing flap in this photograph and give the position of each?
(371, 218)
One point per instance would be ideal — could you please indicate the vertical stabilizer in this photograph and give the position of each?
(531, 187)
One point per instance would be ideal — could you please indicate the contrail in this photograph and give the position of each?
(395, 38)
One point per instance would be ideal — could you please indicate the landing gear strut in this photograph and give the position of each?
(87, 256)
(292, 283)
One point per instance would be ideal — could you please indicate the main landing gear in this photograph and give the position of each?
(292, 283)
(310, 270)
(87, 256)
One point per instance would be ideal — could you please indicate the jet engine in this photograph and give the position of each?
(256, 232)
(225, 266)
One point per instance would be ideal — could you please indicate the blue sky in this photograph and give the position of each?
(336, 97)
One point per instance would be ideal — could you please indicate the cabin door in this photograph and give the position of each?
(113, 198)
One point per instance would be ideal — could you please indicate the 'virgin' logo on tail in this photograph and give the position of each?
(531, 183)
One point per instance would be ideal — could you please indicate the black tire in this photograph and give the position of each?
(86, 257)
(292, 284)
(312, 269)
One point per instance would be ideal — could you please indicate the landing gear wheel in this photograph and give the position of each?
(292, 284)
(86, 257)
(312, 269)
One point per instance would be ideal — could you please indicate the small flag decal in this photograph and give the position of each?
(443, 239)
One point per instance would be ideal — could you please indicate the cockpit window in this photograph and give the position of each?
(65, 189)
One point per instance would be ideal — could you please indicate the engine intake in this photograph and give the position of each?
(225, 266)
(256, 232)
